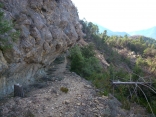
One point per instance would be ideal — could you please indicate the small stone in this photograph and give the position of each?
(78, 95)
(83, 104)
(87, 86)
(97, 90)
(66, 101)
(57, 94)
(57, 107)
(105, 97)
(78, 104)
(96, 101)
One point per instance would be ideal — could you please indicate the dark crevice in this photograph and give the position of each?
(44, 10)
(58, 47)
(57, 1)
(14, 20)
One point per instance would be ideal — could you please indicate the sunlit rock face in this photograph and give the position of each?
(47, 28)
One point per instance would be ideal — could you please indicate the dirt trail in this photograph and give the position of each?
(81, 100)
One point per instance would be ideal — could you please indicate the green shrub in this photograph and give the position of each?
(7, 36)
(83, 61)
(137, 72)
(77, 60)
(64, 89)
(88, 51)
(29, 114)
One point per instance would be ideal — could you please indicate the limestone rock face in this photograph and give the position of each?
(47, 28)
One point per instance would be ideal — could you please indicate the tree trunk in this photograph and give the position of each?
(18, 91)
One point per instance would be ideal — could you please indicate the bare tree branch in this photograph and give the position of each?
(151, 88)
(147, 101)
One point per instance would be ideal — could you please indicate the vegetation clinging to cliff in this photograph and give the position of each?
(7, 35)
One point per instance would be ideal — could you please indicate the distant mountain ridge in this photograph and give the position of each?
(111, 33)
(151, 32)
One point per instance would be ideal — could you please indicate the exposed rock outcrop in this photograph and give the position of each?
(48, 28)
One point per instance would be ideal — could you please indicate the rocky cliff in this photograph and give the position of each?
(47, 28)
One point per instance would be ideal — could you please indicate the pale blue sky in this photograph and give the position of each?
(119, 15)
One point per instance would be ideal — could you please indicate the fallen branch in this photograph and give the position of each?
(129, 83)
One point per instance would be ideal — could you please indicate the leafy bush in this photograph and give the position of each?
(64, 89)
(77, 60)
(83, 61)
